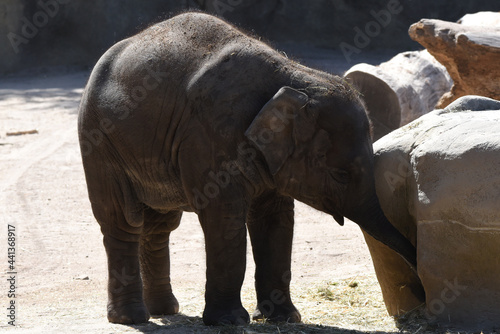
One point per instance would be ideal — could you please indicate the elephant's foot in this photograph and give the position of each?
(277, 313)
(132, 313)
(161, 304)
(225, 316)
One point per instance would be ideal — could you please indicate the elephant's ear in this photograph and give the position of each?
(272, 129)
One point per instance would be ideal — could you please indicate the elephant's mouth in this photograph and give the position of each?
(332, 210)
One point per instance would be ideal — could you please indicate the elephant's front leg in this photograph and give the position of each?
(270, 225)
(225, 242)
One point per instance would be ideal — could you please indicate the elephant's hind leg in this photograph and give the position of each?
(121, 221)
(125, 298)
(155, 261)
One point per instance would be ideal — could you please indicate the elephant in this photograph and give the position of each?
(193, 115)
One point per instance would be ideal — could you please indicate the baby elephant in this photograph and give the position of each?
(193, 115)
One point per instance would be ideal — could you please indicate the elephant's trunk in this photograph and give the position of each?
(373, 221)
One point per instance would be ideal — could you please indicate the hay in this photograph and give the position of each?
(352, 305)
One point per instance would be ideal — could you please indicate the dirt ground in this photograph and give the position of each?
(59, 257)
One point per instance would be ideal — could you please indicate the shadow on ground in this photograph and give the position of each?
(181, 323)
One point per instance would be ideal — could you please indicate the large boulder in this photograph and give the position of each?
(381, 101)
(438, 181)
(485, 19)
(471, 55)
(400, 90)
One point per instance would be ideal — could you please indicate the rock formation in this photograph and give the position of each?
(471, 54)
(437, 180)
(381, 102)
(484, 19)
(400, 90)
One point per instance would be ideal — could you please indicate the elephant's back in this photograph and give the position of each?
(195, 34)
(165, 56)
(179, 45)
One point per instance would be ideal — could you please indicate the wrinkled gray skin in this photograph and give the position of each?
(193, 115)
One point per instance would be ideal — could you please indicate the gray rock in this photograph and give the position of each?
(415, 78)
(473, 103)
(437, 179)
(381, 102)
(485, 19)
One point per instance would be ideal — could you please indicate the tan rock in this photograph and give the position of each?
(471, 54)
(437, 179)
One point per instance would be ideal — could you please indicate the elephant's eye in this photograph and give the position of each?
(339, 175)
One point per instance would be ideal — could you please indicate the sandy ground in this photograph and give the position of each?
(60, 261)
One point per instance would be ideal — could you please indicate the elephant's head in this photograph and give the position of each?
(318, 148)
